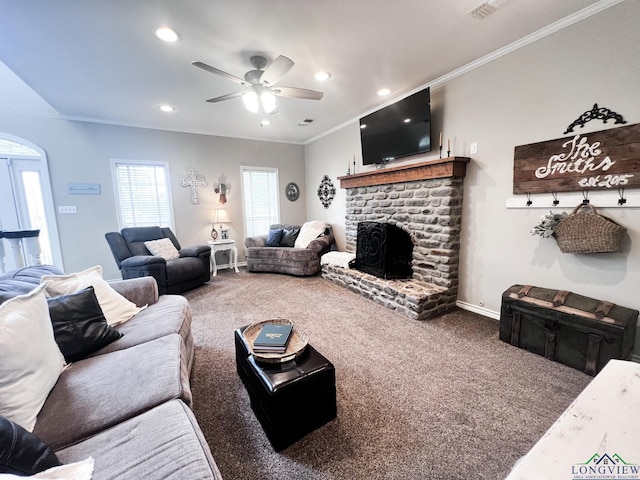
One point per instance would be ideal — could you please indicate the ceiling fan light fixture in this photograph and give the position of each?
(167, 34)
(268, 101)
(250, 100)
(322, 76)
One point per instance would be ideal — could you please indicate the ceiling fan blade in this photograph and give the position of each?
(215, 71)
(278, 69)
(225, 97)
(297, 93)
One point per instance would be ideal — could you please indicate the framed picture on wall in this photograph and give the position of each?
(292, 192)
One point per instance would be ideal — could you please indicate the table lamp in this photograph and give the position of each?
(219, 216)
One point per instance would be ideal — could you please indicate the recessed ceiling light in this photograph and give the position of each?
(166, 34)
(322, 76)
(166, 108)
(364, 125)
(407, 120)
(383, 92)
(265, 122)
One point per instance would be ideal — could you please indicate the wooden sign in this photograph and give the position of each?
(602, 160)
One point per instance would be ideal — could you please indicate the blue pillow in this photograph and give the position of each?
(274, 237)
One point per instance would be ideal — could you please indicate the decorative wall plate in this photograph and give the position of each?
(292, 191)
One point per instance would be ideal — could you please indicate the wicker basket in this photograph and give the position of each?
(297, 343)
(589, 233)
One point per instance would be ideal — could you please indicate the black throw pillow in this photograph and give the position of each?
(79, 325)
(21, 452)
(289, 237)
(274, 237)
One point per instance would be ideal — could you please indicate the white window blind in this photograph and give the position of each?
(143, 194)
(260, 199)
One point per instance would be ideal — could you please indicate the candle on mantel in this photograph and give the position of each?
(448, 144)
(440, 145)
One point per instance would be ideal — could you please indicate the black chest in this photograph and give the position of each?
(578, 331)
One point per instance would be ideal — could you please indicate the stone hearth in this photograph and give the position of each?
(425, 200)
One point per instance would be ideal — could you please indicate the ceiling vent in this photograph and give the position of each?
(487, 8)
(305, 122)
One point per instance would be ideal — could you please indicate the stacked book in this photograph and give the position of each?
(273, 338)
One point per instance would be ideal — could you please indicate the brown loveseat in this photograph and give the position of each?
(288, 259)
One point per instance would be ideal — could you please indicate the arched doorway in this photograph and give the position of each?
(26, 198)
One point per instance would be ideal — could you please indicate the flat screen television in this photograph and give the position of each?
(397, 130)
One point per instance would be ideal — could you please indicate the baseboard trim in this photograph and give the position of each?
(228, 266)
(496, 316)
(479, 310)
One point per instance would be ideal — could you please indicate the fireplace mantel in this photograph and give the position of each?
(438, 168)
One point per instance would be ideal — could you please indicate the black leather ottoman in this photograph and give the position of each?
(289, 399)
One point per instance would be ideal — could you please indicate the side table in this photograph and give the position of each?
(219, 246)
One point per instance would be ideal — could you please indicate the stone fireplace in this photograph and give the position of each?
(425, 200)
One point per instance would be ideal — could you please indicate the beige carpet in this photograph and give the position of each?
(442, 399)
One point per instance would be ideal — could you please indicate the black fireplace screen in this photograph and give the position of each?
(383, 250)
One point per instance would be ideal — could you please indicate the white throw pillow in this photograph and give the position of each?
(115, 307)
(72, 471)
(308, 232)
(163, 247)
(30, 360)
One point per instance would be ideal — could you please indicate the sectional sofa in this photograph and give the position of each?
(128, 404)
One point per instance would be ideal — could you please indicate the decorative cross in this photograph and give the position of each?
(193, 182)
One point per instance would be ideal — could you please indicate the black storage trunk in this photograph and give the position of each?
(578, 331)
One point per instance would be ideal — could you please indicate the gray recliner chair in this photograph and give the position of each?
(191, 270)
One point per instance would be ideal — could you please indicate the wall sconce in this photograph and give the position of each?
(219, 216)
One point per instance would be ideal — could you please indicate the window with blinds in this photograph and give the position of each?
(259, 199)
(143, 193)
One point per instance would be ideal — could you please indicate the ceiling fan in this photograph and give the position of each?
(261, 84)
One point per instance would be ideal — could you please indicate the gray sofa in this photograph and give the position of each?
(128, 404)
(290, 260)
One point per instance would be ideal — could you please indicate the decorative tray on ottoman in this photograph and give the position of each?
(295, 347)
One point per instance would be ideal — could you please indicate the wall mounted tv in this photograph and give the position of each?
(397, 130)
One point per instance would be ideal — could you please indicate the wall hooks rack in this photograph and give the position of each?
(621, 200)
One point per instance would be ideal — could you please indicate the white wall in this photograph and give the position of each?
(331, 156)
(529, 95)
(80, 152)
